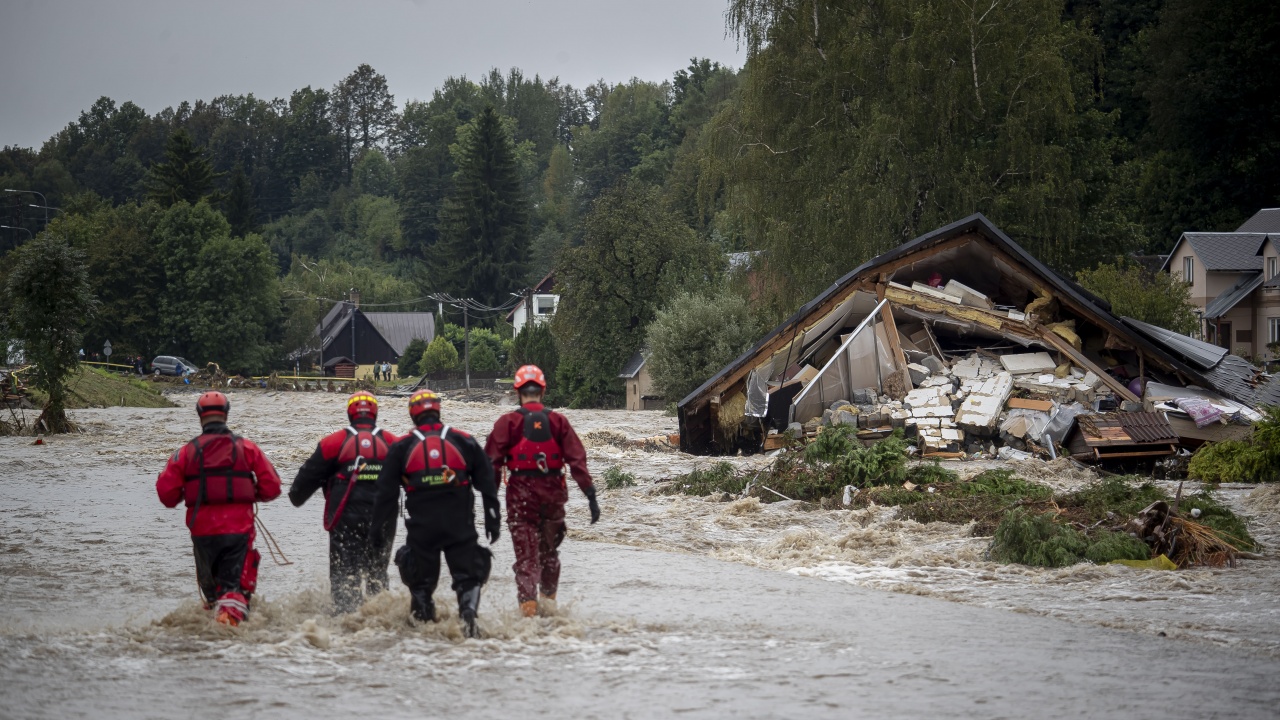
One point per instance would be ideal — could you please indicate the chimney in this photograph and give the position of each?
(355, 297)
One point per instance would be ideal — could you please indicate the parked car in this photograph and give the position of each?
(171, 365)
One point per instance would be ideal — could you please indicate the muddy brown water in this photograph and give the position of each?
(670, 605)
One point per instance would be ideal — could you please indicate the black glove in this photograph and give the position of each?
(591, 503)
(492, 518)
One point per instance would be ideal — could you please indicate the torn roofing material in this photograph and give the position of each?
(1227, 374)
(1232, 296)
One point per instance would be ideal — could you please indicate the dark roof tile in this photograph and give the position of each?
(1227, 251)
(1266, 220)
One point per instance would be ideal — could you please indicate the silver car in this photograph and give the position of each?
(171, 365)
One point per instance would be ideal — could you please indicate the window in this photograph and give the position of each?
(544, 305)
(1273, 267)
(1275, 329)
(1189, 270)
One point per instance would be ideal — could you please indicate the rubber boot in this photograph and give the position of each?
(468, 608)
(421, 606)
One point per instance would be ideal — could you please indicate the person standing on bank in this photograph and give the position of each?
(346, 465)
(536, 445)
(439, 468)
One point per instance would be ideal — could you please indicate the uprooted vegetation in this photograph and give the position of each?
(1124, 518)
(1256, 459)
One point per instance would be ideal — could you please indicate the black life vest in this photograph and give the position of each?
(217, 472)
(362, 454)
(433, 462)
(537, 453)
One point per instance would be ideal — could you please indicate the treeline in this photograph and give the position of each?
(1087, 129)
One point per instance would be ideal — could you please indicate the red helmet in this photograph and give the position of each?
(213, 403)
(362, 404)
(530, 374)
(423, 401)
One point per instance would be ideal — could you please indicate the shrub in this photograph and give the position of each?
(1162, 299)
(615, 478)
(1254, 460)
(483, 359)
(720, 477)
(931, 473)
(439, 355)
(1031, 538)
(1005, 483)
(694, 336)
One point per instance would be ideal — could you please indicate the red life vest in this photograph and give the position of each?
(362, 454)
(217, 472)
(360, 457)
(537, 453)
(433, 462)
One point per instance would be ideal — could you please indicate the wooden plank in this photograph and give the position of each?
(944, 455)
(923, 253)
(979, 316)
(1079, 358)
(891, 332)
(1025, 404)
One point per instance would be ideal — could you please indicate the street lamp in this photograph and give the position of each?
(11, 227)
(43, 199)
(47, 208)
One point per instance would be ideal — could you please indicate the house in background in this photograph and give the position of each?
(1235, 283)
(366, 338)
(545, 303)
(640, 394)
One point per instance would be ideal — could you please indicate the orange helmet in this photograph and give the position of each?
(423, 401)
(213, 403)
(530, 374)
(362, 404)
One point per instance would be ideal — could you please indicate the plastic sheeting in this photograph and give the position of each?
(863, 360)
(757, 394)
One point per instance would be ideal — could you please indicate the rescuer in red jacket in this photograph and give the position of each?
(438, 467)
(536, 445)
(346, 465)
(220, 476)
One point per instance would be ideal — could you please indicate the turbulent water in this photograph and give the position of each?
(670, 604)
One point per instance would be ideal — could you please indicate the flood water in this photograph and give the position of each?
(670, 605)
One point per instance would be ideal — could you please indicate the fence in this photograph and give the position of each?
(456, 379)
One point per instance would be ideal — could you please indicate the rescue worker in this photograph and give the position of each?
(220, 475)
(346, 465)
(536, 445)
(438, 467)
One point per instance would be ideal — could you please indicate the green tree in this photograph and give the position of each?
(484, 242)
(535, 345)
(632, 136)
(231, 305)
(240, 212)
(125, 276)
(695, 336)
(859, 127)
(1159, 298)
(634, 254)
(407, 366)
(439, 355)
(49, 300)
(363, 112)
(374, 175)
(184, 176)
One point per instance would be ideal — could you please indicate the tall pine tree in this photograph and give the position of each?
(185, 175)
(239, 205)
(484, 229)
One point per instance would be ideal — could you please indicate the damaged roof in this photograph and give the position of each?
(1191, 361)
(1227, 374)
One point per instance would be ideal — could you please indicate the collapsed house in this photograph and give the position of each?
(964, 340)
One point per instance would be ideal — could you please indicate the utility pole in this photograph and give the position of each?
(466, 345)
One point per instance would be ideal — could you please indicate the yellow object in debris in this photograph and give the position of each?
(1159, 562)
(1067, 331)
(1062, 370)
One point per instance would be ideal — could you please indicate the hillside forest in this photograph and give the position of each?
(1088, 130)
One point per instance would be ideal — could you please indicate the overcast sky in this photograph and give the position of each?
(58, 56)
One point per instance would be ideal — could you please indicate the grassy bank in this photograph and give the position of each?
(93, 388)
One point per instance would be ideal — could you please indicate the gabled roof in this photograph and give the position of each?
(546, 285)
(1224, 252)
(1227, 374)
(1266, 220)
(633, 366)
(340, 360)
(1222, 304)
(401, 328)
